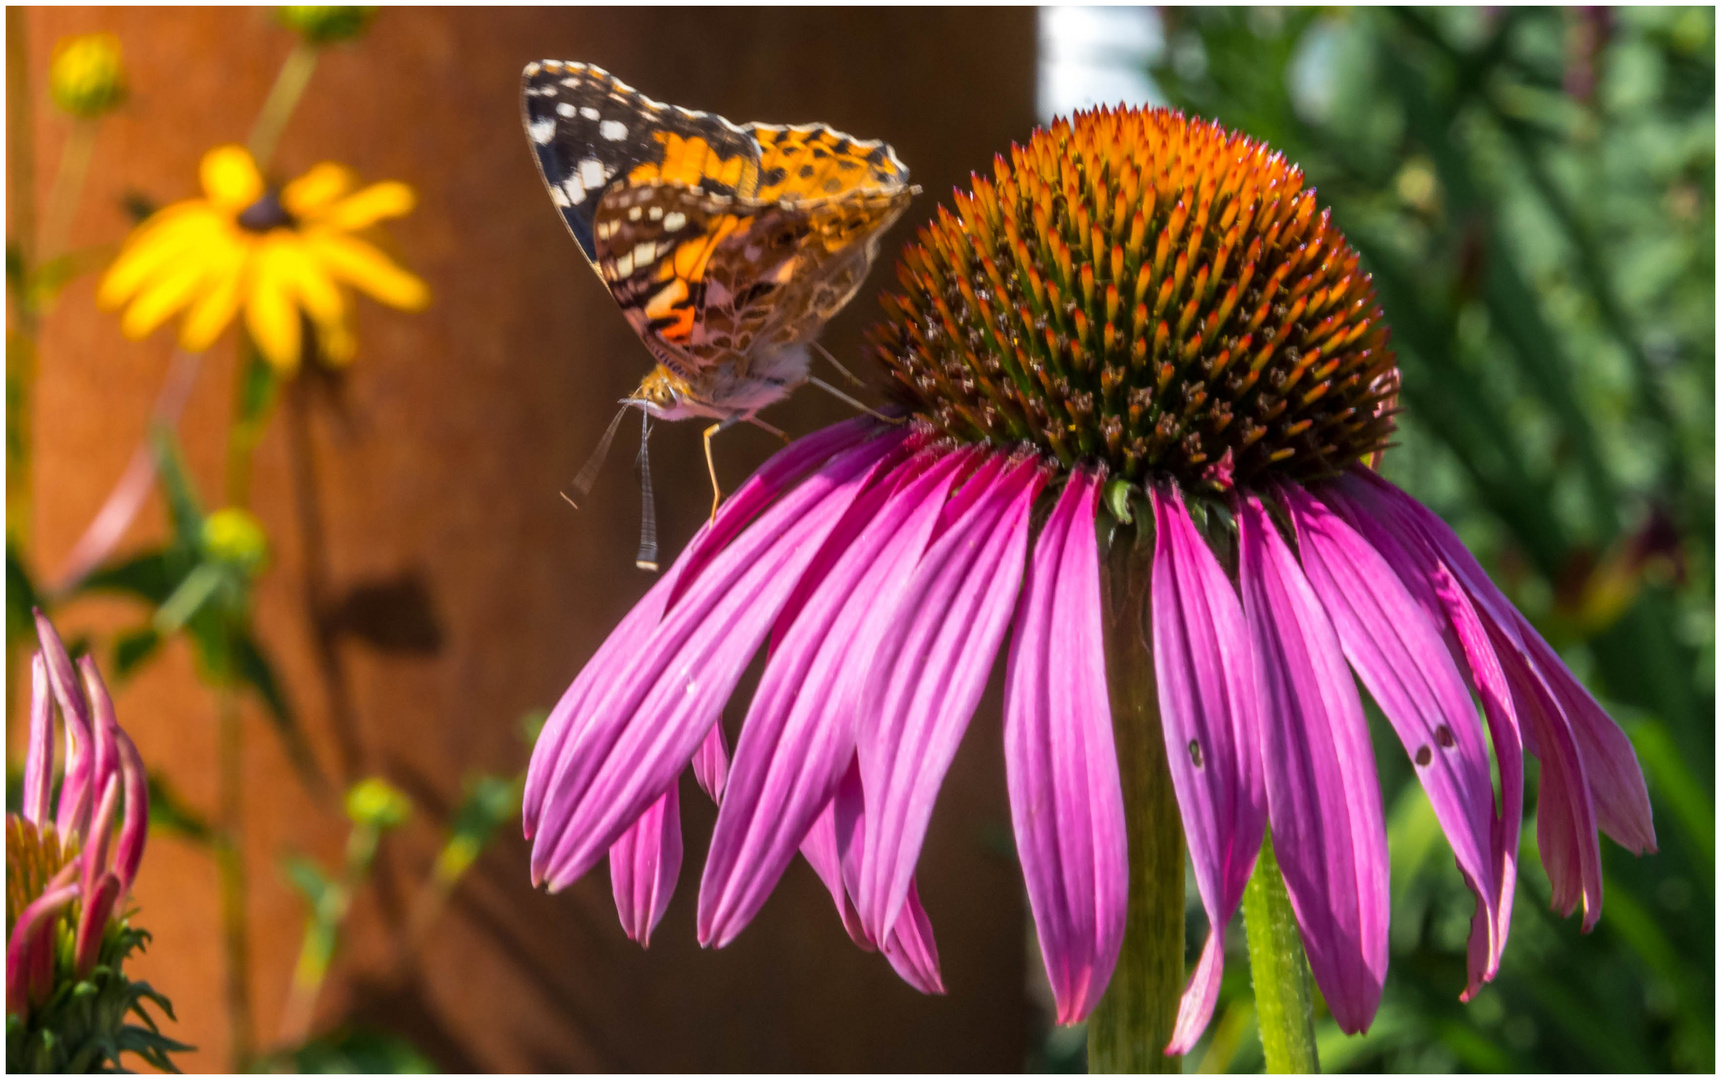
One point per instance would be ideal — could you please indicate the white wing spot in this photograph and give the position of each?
(564, 109)
(673, 222)
(576, 190)
(633, 213)
(588, 112)
(542, 131)
(571, 82)
(592, 172)
(613, 130)
(644, 252)
(655, 213)
(624, 265)
(559, 197)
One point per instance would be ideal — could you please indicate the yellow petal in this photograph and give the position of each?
(230, 178)
(312, 193)
(270, 314)
(364, 267)
(336, 343)
(217, 306)
(184, 237)
(162, 297)
(389, 199)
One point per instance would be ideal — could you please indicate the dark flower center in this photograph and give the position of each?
(266, 213)
(1150, 292)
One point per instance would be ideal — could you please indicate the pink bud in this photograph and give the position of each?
(75, 788)
(29, 951)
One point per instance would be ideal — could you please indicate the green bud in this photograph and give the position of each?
(377, 803)
(326, 25)
(231, 535)
(86, 76)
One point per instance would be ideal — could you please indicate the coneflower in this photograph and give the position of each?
(1141, 373)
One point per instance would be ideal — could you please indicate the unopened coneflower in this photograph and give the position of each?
(1142, 375)
(70, 862)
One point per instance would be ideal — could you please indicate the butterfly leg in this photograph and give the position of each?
(847, 374)
(847, 400)
(711, 468)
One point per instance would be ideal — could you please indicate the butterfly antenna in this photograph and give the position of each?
(589, 471)
(840, 396)
(847, 374)
(647, 557)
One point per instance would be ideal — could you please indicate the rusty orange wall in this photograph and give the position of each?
(440, 460)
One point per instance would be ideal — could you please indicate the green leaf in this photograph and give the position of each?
(359, 1051)
(21, 597)
(150, 576)
(308, 879)
(169, 812)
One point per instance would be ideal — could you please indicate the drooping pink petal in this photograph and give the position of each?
(1615, 778)
(651, 713)
(1204, 666)
(1435, 588)
(644, 864)
(1323, 797)
(1566, 815)
(777, 475)
(799, 735)
(95, 853)
(39, 756)
(929, 671)
(711, 764)
(1066, 802)
(835, 848)
(1397, 651)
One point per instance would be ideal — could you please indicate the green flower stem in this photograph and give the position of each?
(75, 157)
(1284, 994)
(230, 872)
(283, 98)
(1128, 1031)
(323, 934)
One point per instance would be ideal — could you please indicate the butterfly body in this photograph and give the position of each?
(727, 247)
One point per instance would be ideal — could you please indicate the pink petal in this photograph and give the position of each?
(1440, 595)
(134, 826)
(711, 764)
(30, 946)
(100, 898)
(799, 735)
(929, 671)
(1566, 815)
(1323, 797)
(1204, 665)
(77, 784)
(651, 713)
(1066, 801)
(1397, 651)
(644, 864)
(39, 756)
(777, 475)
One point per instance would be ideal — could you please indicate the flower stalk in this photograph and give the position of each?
(283, 99)
(1129, 1030)
(1284, 994)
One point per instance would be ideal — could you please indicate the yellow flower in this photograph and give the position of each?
(86, 75)
(276, 255)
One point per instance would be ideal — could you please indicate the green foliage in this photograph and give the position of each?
(1533, 191)
(326, 25)
(352, 1051)
(89, 1023)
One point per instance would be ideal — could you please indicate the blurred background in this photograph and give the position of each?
(1533, 191)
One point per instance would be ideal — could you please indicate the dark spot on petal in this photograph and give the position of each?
(1424, 755)
(1195, 753)
(1443, 736)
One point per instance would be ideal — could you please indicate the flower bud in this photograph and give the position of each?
(86, 76)
(377, 803)
(232, 536)
(325, 25)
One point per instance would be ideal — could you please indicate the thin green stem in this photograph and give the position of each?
(1130, 1028)
(323, 935)
(1284, 994)
(75, 157)
(283, 98)
(230, 871)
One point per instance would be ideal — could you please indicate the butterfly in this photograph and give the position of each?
(728, 247)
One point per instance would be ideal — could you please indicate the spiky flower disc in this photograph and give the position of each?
(1149, 291)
